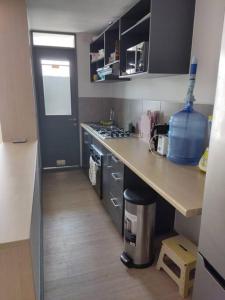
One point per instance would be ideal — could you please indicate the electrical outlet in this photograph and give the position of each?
(60, 162)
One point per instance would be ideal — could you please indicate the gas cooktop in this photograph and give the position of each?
(110, 132)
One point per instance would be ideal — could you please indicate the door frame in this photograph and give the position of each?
(34, 71)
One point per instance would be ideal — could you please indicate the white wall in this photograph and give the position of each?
(17, 105)
(206, 45)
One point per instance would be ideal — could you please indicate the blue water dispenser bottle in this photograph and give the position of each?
(187, 129)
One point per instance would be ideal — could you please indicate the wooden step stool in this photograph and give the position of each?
(178, 259)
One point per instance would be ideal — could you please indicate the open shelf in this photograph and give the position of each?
(112, 40)
(132, 37)
(113, 63)
(95, 46)
(111, 77)
(154, 39)
(134, 75)
(97, 60)
(137, 24)
(135, 14)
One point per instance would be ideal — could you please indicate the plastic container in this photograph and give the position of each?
(187, 136)
(188, 128)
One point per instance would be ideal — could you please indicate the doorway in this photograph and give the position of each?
(57, 104)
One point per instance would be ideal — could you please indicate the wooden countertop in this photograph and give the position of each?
(181, 186)
(17, 176)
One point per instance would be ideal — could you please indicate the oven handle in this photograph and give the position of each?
(116, 177)
(115, 159)
(114, 201)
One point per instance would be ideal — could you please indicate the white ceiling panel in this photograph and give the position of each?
(74, 15)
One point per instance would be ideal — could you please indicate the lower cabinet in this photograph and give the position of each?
(86, 143)
(36, 236)
(21, 262)
(113, 186)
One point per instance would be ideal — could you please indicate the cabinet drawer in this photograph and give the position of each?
(116, 199)
(116, 181)
(115, 209)
(117, 165)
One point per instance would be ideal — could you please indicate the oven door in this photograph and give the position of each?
(97, 158)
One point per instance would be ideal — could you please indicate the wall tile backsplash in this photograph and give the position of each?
(127, 110)
(93, 109)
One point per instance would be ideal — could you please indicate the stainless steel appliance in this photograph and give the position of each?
(109, 132)
(137, 58)
(210, 272)
(97, 157)
(139, 225)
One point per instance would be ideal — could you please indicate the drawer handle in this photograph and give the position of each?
(86, 142)
(86, 133)
(109, 167)
(114, 202)
(115, 159)
(116, 177)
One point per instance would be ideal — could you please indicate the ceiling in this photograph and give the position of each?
(74, 15)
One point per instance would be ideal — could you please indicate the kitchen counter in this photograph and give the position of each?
(181, 186)
(17, 178)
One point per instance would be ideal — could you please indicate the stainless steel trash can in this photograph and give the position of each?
(139, 225)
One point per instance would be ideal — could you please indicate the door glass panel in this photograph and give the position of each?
(56, 85)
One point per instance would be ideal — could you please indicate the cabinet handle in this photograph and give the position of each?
(115, 159)
(109, 167)
(116, 177)
(114, 202)
(86, 142)
(86, 133)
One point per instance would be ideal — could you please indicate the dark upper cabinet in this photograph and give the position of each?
(171, 29)
(135, 14)
(154, 37)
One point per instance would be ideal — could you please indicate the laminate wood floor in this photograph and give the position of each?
(82, 248)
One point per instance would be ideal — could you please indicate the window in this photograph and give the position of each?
(56, 85)
(53, 39)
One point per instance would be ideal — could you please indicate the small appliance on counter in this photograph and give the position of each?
(159, 139)
(187, 129)
(139, 222)
(162, 146)
(157, 131)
